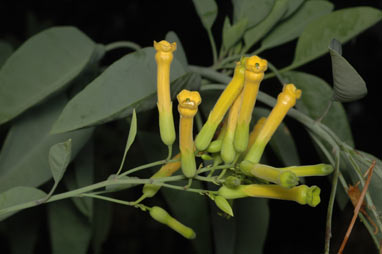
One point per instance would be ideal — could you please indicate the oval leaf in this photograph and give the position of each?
(348, 84)
(316, 94)
(114, 93)
(254, 34)
(342, 24)
(24, 157)
(291, 28)
(17, 196)
(59, 158)
(5, 51)
(42, 65)
(232, 34)
(207, 11)
(179, 53)
(293, 5)
(254, 11)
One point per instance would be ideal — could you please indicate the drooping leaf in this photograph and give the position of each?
(254, 11)
(69, 230)
(347, 83)
(101, 224)
(316, 94)
(124, 85)
(291, 28)
(256, 33)
(82, 175)
(16, 196)
(59, 158)
(41, 66)
(179, 52)
(232, 34)
(343, 25)
(5, 51)
(207, 11)
(131, 137)
(252, 225)
(24, 157)
(282, 142)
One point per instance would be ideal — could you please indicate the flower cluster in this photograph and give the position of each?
(235, 145)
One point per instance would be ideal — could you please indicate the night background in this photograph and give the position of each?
(143, 21)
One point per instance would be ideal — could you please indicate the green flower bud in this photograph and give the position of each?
(223, 205)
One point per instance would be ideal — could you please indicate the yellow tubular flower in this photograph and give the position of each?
(215, 146)
(285, 178)
(254, 74)
(228, 152)
(253, 135)
(188, 107)
(149, 190)
(164, 58)
(160, 215)
(310, 170)
(301, 194)
(221, 107)
(285, 101)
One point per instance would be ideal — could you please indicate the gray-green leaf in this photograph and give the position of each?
(121, 87)
(342, 24)
(348, 84)
(5, 51)
(69, 230)
(232, 34)
(42, 65)
(16, 196)
(253, 11)
(179, 53)
(207, 11)
(316, 94)
(254, 34)
(24, 156)
(291, 28)
(293, 5)
(59, 158)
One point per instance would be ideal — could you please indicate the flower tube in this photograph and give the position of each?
(160, 215)
(215, 146)
(233, 89)
(301, 194)
(286, 100)
(188, 107)
(285, 178)
(254, 74)
(164, 58)
(228, 152)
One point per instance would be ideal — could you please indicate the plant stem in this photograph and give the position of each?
(122, 44)
(277, 73)
(150, 165)
(213, 45)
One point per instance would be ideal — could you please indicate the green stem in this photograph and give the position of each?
(277, 73)
(213, 45)
(122, 44)
(169, 153)
(150, 165)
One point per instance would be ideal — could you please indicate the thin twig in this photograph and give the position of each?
(357, 208)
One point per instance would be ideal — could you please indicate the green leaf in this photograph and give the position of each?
(121, 87)
(101, 224)
(130, 138)
(282, 142)
(41, 66)
(69, 230)
(82, 175)
(256, 33)
(24, 157)
(17, 196)
(232, 34)
(293, 5)
(316, 94)
(252, 216)
(254, 11)
(342, 24)
(347, 83)
(179, 53)
(207, 11)
(59, 159)
(5, 51)
(291, 28)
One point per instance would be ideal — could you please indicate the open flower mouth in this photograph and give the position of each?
(165, 46)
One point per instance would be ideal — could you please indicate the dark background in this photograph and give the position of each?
(143, 21)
